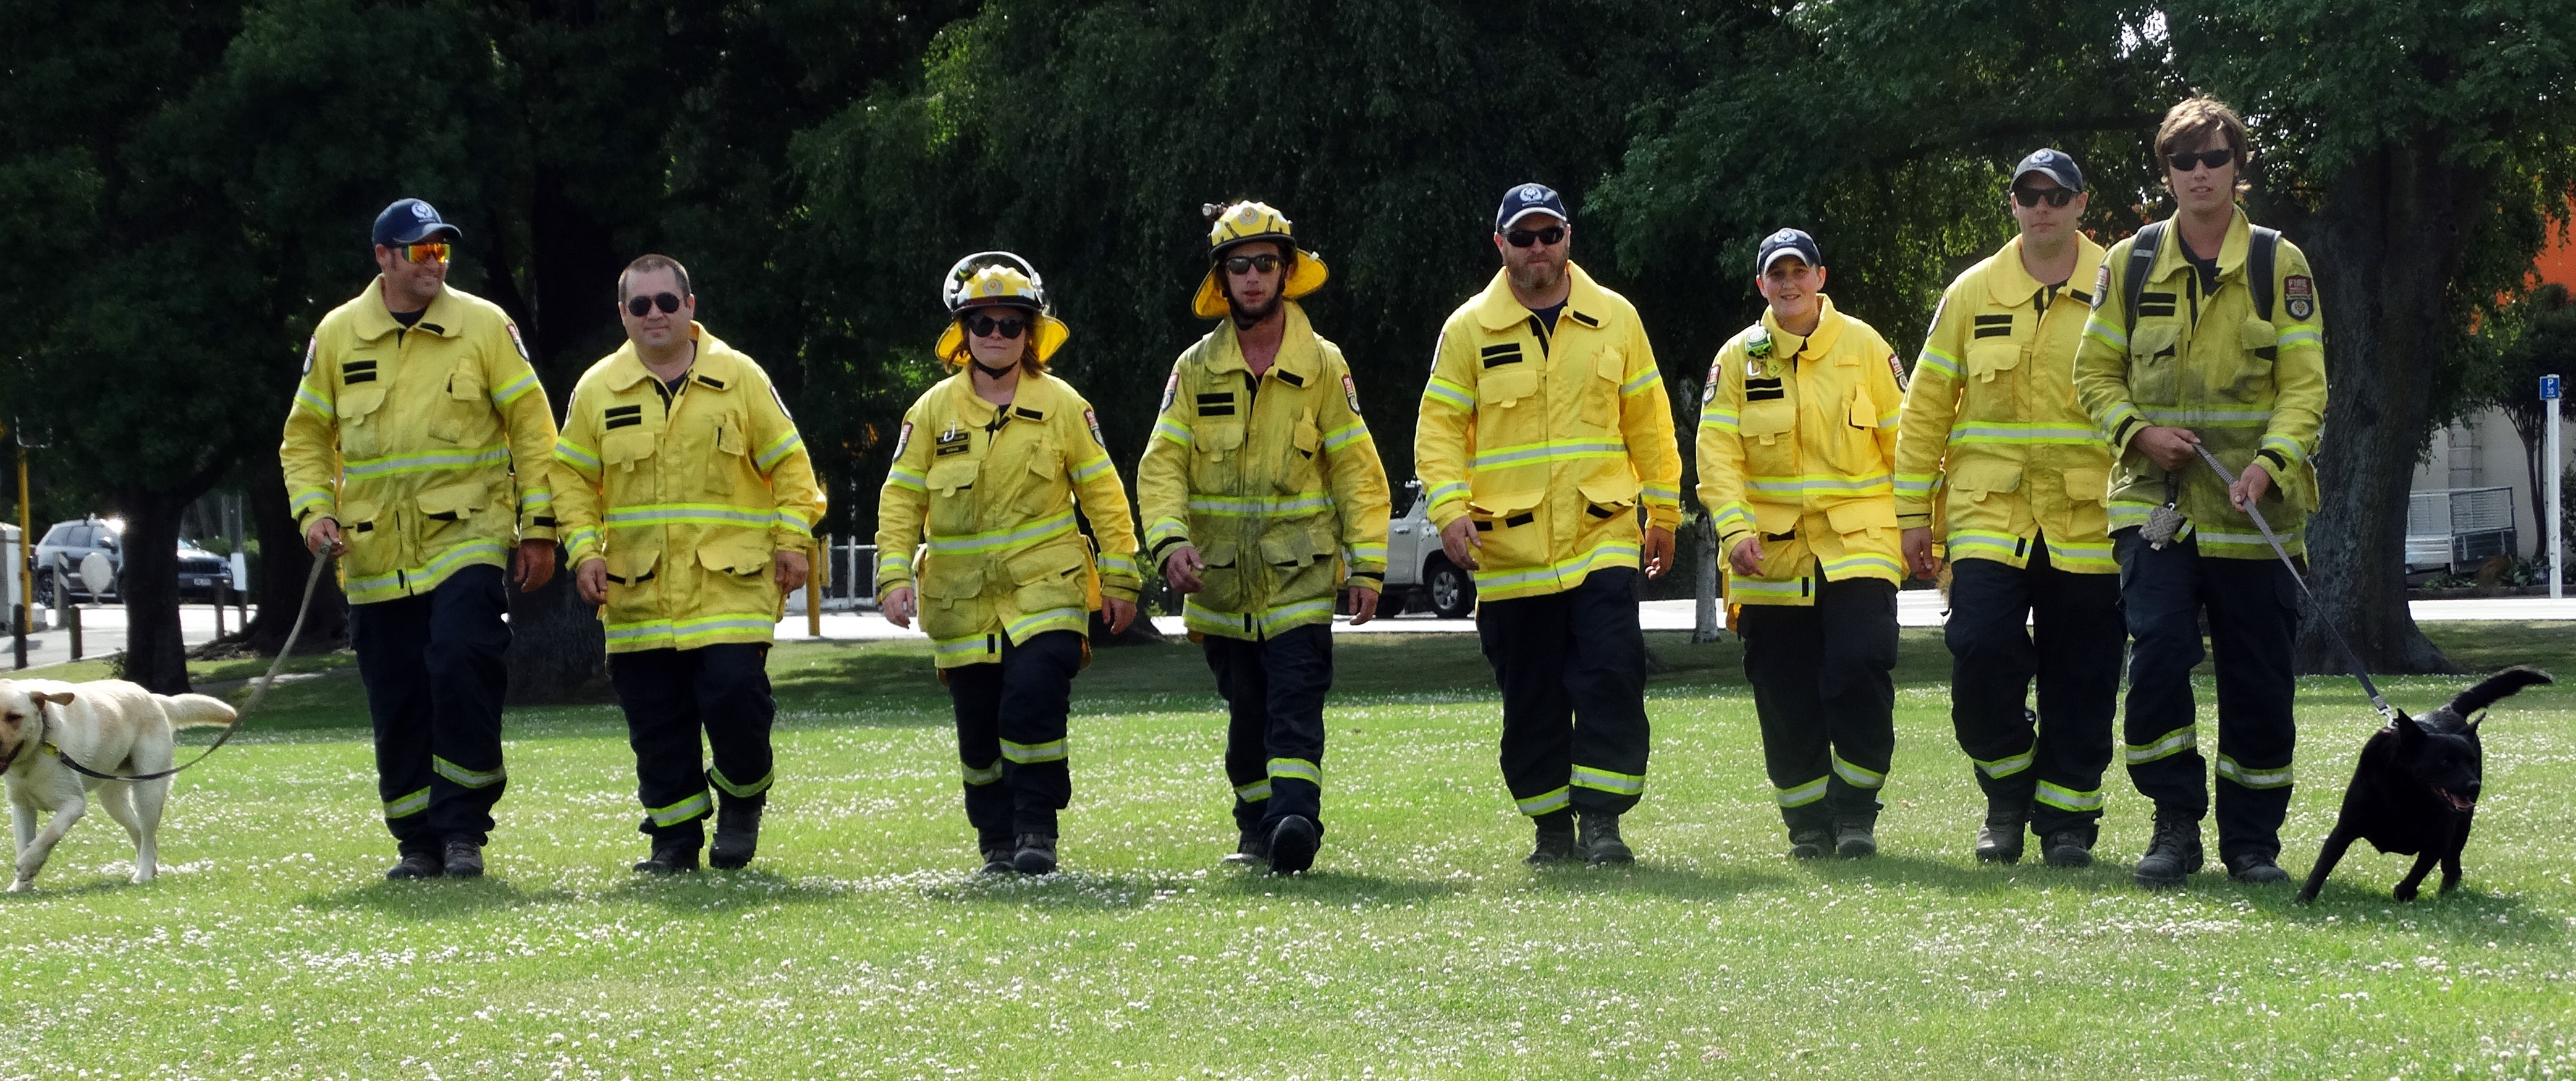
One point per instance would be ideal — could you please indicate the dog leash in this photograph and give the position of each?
(2351, 660)
(302, 609)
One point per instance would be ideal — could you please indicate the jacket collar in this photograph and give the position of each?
(1036, 394)
(2231, 252)
(1588, 303)
(1299, 357)
(444, 316)
(1829, 329)
(2009, 283)
(716, 361)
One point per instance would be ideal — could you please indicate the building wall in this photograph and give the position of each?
(2483, 453)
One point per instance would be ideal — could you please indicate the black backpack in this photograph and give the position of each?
(2260, 255)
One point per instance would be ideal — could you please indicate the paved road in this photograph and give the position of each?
(103, 632)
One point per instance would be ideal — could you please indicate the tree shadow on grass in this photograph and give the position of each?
(1655, 879)
(437, 899)
(2466, 914)
(101, 886)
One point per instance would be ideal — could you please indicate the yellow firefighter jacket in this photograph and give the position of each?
(1549, 441)
(1797, 439)
(428, 445)
(1991, 426)
(991, 492)
(684, 492)
(2253, 389)
(1273, 479)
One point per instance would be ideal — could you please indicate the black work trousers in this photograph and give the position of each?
(670, 695)
(435, 677)
(1823, 688)
(1011, 736)
(1572, 668)
(1274, 738)
(2007, 627)
(2253, 610)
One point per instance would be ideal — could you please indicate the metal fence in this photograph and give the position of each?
(2456, 528)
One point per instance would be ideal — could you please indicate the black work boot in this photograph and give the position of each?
(1555, 838)
(737, 834)
(1250, 848)
(1854, 839)
(2067, 848)
(464, 858)
(1810, 842)
(1036, 855)
(1293, 843)
(997, 855)
(2000, 839)
(1599, 839)
(2173, 853)
(418, 863)
(671, 856)
(2256, 869)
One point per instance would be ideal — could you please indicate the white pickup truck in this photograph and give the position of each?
(1419, 576)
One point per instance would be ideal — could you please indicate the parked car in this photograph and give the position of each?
(1419, 575)
(68, 543)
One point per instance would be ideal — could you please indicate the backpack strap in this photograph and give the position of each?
(2260, 255)
(2142, 258)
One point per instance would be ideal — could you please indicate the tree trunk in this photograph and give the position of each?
(155, 656)
(2384, 247)
(557, 646)
(278, 583)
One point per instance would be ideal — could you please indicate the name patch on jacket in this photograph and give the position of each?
(1496, 356)
(952, 441)
(1216, 405)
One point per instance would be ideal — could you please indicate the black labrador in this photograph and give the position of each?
(2416, 788)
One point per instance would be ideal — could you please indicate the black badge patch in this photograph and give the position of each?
(2299, 296)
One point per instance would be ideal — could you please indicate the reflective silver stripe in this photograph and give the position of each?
(985, 542)
(741, 790)
(1856, 776)
(1801, 795)
(1624, 784)
(983, 775)
(470, 778)
(1255, 792)
(2068, 799)
(2170, 744)
(2227, 417)
(408, 805)
(2253, 778)
(1550, 800)
(1296, 769)
(693, 807)
(2001, 768)
(1554, 450)
(1032, 753)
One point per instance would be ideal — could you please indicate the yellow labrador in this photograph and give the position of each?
(110, 726)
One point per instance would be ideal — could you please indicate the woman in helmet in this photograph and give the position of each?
(986, 474)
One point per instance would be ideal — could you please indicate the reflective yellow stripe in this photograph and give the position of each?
(1448, 393)
(1644, 379)
(983, 775)
(571, 453)
(428, 575)
(1544, 802)
(1938, 361)
(305, 397)
(407, 806)
(1072, 619)
(2166, 746)
(1721, 420)
(1856, 776)
(693, 807)
(516, 387)
(2068, 799)
(679, 632)
(1821, 484)
(1800, 795)
(906, 479)
(1551, 451)
(2001, 768)
(1262, 506)
(2228, 769)
(1604, 555)
(308, 498)
(2035, 433)
(1043, 529)
(778, 448)
(1178, 433)
(652, 514)
(1346, 435)
(397, 464)
(470, 778)
(1255, 792)
(753, 788)
(1297, 769)
(1623, 784)
(1032, 753)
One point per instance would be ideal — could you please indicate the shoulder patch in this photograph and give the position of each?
(520, 343)
(1092, 421)
(1171, 390)
(1896, 368)
(1708, 390)
(1937, 309)
(781, 399)
(312, 345)
(1351, 393)
(2299, 296)
(902, 439)
(2102, 282)
(1437, 346)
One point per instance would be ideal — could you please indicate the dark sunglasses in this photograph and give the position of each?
(985, 326)
(2055, 196)
(641, 306)
(2208, 159)
(1246, 264)
(1522, 238)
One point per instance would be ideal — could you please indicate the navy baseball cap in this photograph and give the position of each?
(1786, 242)
(2055, 165)
(1527, 199)
(410, 221)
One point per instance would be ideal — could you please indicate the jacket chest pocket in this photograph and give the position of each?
(464, 415)
(728, 455)
(952, 496)
(628, 452)
(1987, 360)
(1601, 392)
(2153, 363)
(1216, 446)
(1769, 429)
(362, 423)
(1301, 471)
(1507, 387)
(2249, 378)
(1043, 488)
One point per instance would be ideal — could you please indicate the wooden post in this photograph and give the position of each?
(26, 561)
(815, 570)
(219, 607)
(71, 612)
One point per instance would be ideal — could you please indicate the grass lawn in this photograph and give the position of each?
(862, 943)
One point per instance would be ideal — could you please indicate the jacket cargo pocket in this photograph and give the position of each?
(1287, 544)
(952, 496)
(1507, 386)
(1509, 533)
(447, 512)
(375, 548)
(1986, 360)
(735, 576)
(1976, 480)
(1601, 392)
(2087, 492)
(1215, 446)
(951, 596)
(1862, 519)
(1607, 498)
(2154, 366)
(634, 584)
(465, 413)
(1775, 521)
(362, 425)
(1043, 485)
(1221, 580)
(1050, 578)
